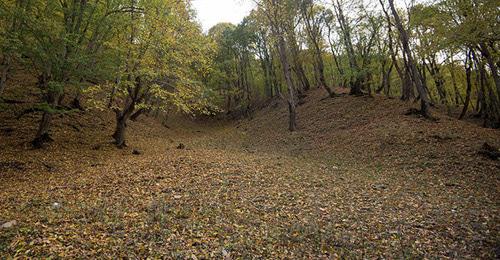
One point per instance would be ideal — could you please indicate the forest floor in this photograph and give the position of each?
(359, 179)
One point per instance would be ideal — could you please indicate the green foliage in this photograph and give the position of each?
(154, 53)
(55, 87)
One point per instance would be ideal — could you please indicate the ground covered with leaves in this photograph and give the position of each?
(359, 179)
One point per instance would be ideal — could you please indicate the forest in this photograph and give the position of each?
(312, 129)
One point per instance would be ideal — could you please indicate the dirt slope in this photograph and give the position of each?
(358, 180)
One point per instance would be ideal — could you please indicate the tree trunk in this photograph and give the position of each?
(314, 36)
(292, 123)
(119, 134)
(268, 87)
(406, 84)
(355, 81)
(76, 103)
(493, 67)
(335, 58)
(387, 80)
(297, 65)
(266, 64)
(416, 76)
(468, 66)
(137, 113)
(42, 136)
(123, 116)
(112, 97)
(321, 73)
(274, 77)
(3, 74)
(433, 69)
(228, 104)
(121, 122)
(406, 87)
(458, 96)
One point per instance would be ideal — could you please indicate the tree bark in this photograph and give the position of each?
(277, 29)
(119, 134)
(416, 76)
(355, 81)
(292, 123)
(468, 66)
(406, 84)
(298, 68)
(385, 83)
(335, 57)
(493, 67)
(458, 96)
(3, 74)
(42, 135)
(388, 81)
(76, 103)
(314, 33)
(121, 122)
(435, 72)
(137, 114)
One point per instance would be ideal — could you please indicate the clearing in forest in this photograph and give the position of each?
(353, 181)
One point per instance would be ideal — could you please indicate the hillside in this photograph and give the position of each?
(359, 179)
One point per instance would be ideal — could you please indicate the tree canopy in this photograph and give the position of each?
(135, 56)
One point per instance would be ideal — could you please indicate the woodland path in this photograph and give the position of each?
(360, 186)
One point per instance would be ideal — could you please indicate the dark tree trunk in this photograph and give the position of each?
(266, 64)
(301, 74)
(386, 80)
(113, 92)
(487, 102)
(468, 67)
(406, 84)
(3, 75)
(274, 78)
(493, 66)
(292, 123)
(228, 104)
(134, 98)
(77, 103)
(407, 87)
(297, 65)
(335, 58)
(137, 114)
(119, 134)
(435, 72)
(42, 135)
(121, 122)
(355, 81)
(321, 73)
(416, 76)
(267, 77)
(314, 33)
(292, 116)
(458, 96)
(277, 29)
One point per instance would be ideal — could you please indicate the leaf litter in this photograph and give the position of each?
(358, 180)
